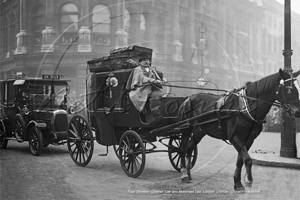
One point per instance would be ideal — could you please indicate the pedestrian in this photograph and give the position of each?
(144, 82)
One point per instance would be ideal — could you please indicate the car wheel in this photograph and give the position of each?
(3, 141)
(35, 141)
(19, 128)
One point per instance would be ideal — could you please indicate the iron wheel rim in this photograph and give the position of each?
(80, 141)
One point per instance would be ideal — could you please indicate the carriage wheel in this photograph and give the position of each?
(132, 154)
(3, 141)
(116, 149)
(174, 154)
(80, 141)
(20, 127)
(35, 141)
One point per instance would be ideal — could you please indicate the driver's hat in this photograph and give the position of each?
(144, 58)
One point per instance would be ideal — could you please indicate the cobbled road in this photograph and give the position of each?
(53, 175)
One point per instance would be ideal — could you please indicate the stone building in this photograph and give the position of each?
(228, 42)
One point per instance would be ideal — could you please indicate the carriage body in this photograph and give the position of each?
(30, 113)
(109, 109)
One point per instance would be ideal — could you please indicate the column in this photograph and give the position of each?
(121, 34)
(49, 34)
(22, 36)
(84, 31)
(177, 46)
(192, 49)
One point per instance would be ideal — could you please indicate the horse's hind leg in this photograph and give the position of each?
(198, 134)
(186, 134)
(243, 157)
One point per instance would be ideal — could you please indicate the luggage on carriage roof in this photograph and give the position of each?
(122, 58)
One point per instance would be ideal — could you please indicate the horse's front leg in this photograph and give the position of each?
(248, 165)
(243, 157)
(237, 174)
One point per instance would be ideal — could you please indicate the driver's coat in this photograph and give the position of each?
(139, 83)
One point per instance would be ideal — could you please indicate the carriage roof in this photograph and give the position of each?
(117, 58)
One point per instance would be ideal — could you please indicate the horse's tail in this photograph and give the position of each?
(184, 110)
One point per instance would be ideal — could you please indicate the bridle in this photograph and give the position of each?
(284, 103)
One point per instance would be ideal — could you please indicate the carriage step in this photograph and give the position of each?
(104, 154)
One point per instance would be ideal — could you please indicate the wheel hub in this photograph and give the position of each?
(130, 153)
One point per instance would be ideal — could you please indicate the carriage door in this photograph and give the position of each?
(104, 119)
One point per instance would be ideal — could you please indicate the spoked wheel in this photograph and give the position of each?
(20, 127)
(174, 153)
(3, 141)
(35, 141)
(132, 154)
(80, 140)
(116, 150)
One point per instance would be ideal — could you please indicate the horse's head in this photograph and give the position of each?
(288, 92)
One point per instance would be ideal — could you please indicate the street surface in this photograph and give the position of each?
(54, 175)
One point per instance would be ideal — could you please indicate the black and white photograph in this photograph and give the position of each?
(149, 99)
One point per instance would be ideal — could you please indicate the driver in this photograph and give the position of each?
(145, 81)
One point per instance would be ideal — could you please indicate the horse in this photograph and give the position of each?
(236, 116)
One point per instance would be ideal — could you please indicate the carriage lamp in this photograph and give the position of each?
(112, 80)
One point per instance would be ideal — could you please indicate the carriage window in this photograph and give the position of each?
(10, 92)
(102, 96)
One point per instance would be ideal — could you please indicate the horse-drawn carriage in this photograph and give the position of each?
(235, 116)
(116, 121)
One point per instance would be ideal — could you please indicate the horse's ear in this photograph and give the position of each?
(281, 73)
(295, 74)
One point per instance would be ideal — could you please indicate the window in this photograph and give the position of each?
(38, 24)
(101, 25)
(5, 36)
(69, 23)
(13, 33)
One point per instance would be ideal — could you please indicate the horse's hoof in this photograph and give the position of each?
(248, 182)
(239, 188)
(185, 180)
(190, 177)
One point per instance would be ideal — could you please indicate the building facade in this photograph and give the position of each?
(226, 42)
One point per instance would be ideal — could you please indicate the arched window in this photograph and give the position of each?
(69, 23)
(13, 33)
(38, 24)
(101, 25)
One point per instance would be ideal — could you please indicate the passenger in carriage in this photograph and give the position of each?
(146, 82)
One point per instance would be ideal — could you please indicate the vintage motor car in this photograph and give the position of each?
(34, 110)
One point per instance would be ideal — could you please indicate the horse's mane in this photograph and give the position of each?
(265, 84)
